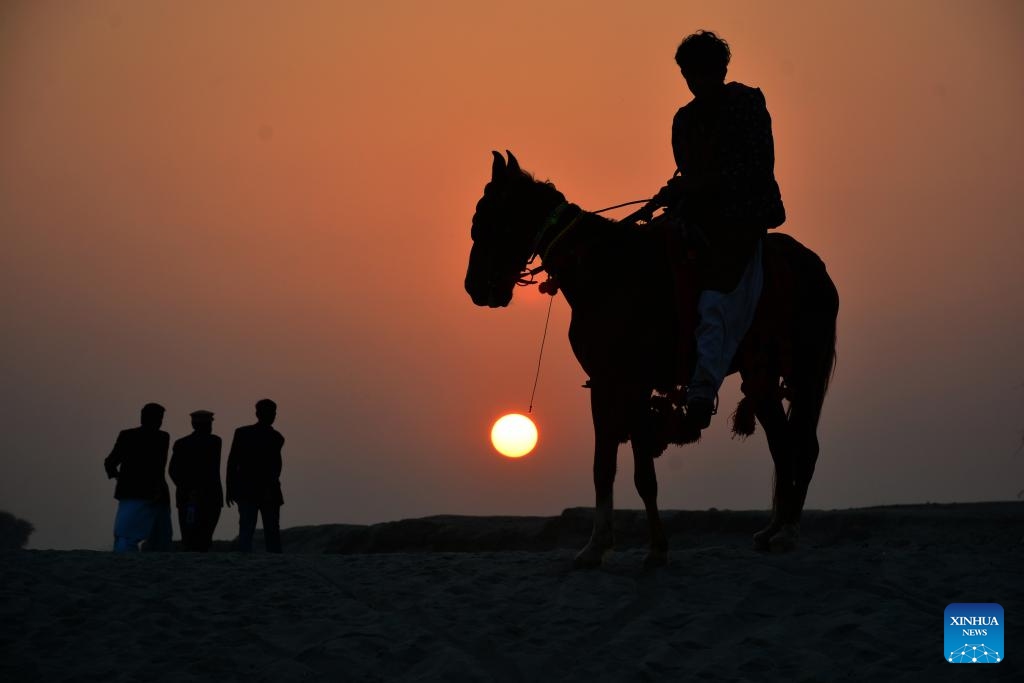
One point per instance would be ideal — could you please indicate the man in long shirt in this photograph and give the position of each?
(254, 478)
(138, 461)
(195, 471)
(724, 198)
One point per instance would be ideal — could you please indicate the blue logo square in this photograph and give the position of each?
(974, 633)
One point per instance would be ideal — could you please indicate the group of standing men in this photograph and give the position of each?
(139, 460)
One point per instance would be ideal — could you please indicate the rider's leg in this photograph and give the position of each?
(724, 319)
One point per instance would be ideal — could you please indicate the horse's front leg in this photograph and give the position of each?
(647, 486)
(608, 420)
(645, 449)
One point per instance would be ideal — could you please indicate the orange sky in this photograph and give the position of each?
(202, 207)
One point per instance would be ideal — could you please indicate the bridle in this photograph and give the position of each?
(526, 277)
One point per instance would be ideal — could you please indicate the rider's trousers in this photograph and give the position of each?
(724, 319)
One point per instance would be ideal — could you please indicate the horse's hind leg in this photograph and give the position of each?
(772, 417)
(814, 360)
(793, 479)
(808, 387)
(606, 410)
(803, 426)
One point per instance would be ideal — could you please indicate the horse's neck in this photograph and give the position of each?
(582, 254)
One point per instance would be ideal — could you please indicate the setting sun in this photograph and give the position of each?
(514, 435)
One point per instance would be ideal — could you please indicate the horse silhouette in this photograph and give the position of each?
(618, 281)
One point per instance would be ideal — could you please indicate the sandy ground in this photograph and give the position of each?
(862, 600)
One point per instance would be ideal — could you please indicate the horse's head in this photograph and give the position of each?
(506, 224)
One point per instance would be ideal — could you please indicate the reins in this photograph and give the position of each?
(619, 206)
(540, 356)
(526, 277)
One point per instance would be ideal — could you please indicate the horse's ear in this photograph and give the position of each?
(498, 167)
(513, 163)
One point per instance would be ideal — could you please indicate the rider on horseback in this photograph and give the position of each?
(718, 208)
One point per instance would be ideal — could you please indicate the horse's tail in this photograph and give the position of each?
(816, 356)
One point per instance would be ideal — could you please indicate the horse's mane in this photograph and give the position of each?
(545, 188)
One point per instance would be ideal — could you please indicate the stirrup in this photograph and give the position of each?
(714, 401)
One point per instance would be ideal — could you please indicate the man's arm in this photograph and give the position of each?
(174, 469)
(673, 192)
(686, 181)
(113, 461)
(276, 463)
(232, 470)
(691, 156)
(165, 447)
(216, 454)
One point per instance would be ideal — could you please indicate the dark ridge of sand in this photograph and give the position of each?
(862, 599)
(924, 525)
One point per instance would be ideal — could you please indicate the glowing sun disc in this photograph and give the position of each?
(514, 435)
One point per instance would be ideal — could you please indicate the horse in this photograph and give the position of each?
(618, 282)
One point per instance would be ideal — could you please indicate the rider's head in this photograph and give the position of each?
(703, 58)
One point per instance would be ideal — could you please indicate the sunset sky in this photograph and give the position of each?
(205, 204)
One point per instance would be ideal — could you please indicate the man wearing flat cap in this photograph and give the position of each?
(143, 499)
(254, 478)
(195, 470)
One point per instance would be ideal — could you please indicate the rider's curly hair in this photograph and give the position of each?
(703, 51)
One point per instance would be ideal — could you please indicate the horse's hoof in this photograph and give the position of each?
(593, 555)
(763, 538)
(786, 539)
(655, 559)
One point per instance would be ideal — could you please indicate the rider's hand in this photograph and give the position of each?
(671, 193)
(644, 214)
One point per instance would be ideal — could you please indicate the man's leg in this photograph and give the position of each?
(708, 373)
(208, 517)
(187, 530)
(161, 532)
(724, 320)
(126, 545)
(131, 525)
(272, 526)
(246, 525)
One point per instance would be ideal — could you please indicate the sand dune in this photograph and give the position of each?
(989, 522)
(495, 599)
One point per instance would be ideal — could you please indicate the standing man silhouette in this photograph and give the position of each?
(254, 478)
(195, 471)
(137, 462)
